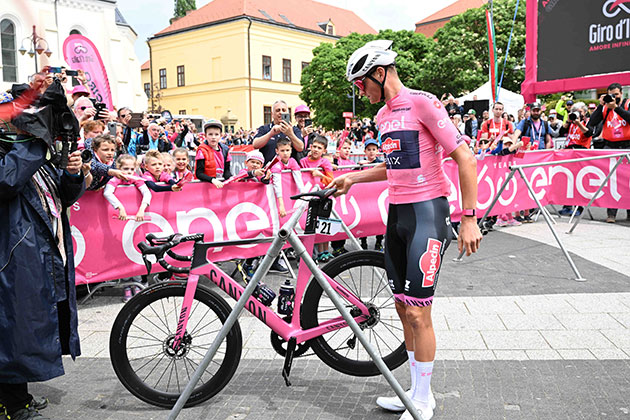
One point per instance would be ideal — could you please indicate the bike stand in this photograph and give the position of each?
(301, 251)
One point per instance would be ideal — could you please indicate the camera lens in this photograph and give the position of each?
(86, 155)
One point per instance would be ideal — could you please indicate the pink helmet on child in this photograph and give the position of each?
(301, 108)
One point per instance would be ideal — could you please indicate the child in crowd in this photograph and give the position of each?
(323, 177)
(127, 165)
(182, 165)
(371, 156)
(253, 171)
(213, 160)
(342, 159)
(102, 167)
(155, 173)
(285, 162)
(169, 163)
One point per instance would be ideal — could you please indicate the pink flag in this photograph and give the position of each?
(81, 54)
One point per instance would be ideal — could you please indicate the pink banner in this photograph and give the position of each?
(105, 247)
(81, 54)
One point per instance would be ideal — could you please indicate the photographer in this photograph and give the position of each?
(38, 313)
(613, 112)
(269, 134)
(579, 136)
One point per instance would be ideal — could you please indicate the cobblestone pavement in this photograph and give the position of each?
(518, 338)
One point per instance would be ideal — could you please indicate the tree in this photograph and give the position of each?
(458, 61)
(324, 85)
(183, 6)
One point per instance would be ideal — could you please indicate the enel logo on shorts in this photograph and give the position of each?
(430, 262)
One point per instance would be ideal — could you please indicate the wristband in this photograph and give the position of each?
(469, 212)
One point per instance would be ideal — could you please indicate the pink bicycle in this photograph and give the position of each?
(161, 335)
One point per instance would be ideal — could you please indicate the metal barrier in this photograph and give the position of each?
(519, 168)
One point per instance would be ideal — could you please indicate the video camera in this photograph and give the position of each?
(51, 120)
(574, 116)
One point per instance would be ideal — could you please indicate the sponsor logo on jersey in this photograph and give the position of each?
(430, 262)
(404, 151)
(437, 104)
(402, 109)
(390, 145)
(442, 123)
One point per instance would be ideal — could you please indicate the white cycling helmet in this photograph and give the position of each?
(373, 54)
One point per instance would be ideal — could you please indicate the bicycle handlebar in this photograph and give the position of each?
(166, 243)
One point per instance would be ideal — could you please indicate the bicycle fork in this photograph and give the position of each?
(191, 287)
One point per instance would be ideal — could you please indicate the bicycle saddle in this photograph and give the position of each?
(320, 194)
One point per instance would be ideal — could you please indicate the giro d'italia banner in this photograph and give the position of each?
(582, 37)
(81, 54)
(105, 247)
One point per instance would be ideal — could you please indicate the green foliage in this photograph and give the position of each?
(459, 61)
(324, 85)
(455, 61)
(183, 6)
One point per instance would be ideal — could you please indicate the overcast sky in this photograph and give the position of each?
(390, 14)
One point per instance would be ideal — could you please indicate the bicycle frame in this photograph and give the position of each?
(266, 314)
(286, 233)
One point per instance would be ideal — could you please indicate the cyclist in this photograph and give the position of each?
(416, 132)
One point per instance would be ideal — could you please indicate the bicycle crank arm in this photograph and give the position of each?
(288, 360)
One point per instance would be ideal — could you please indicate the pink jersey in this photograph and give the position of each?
(164, 177)
(290, 165)
(345, 162)
(133, 180)
(415, 130)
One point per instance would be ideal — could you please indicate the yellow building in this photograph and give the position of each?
(232, 59)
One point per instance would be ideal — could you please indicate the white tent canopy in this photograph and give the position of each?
(512, 101)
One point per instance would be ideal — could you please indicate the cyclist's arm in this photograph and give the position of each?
(344, 182)
(469, 235)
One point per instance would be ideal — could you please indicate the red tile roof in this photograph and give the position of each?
(460, 6)
(145, 66)
(306, 14)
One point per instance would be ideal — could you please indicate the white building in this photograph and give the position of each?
(98, 20)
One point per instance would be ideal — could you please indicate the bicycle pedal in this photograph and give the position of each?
(288, 360)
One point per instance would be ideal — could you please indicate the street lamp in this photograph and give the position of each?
(36, 47)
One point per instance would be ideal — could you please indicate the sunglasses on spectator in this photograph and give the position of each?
(484, 141)
(124, 115)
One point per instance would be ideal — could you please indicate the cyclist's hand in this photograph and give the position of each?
(342, 184)
(469, 235)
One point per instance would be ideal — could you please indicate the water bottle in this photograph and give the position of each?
(285, 298)
(264, 293)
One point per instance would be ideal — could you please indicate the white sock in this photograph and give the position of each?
(412, 368)
(424, 370)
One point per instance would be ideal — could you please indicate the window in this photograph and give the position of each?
(266, 69)
(9, 56)
(267, 114)
(305, 64)
(180, 76)
(162, 78)
(182, 112)
(147, 89)
(330, 30)
(286, 70)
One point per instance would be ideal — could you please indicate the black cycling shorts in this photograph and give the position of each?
(415, 241)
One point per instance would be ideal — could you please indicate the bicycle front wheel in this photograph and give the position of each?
(141, 345)
(363, 274)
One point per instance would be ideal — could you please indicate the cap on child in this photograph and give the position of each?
(255, 155)
(370, 141)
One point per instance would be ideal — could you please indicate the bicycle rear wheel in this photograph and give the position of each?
(362, 273)
(141, 340)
